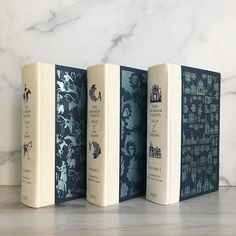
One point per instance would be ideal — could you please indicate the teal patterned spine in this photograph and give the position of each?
(200, 132)
(133, 128)
(71, 125)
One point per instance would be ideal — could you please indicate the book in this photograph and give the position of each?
(116, 134)
(54, 117)
(183, 133)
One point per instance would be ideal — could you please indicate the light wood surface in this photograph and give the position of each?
(212, 214)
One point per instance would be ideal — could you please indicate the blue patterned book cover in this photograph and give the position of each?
(71, 119)
(133, 130)
(200, 132)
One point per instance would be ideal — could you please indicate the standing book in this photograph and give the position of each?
(116, 134)
(183, 133)
(54, 116)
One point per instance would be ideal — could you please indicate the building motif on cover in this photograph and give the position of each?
(200, 132)
(154, 152)
(155, 94)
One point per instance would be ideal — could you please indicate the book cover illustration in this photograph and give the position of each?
(133, 106)
(71, 118)
(26, 94)
(92, 94)
(200, 132)
(94, 146)
(155, 94)
(27, 146)
(154, 152)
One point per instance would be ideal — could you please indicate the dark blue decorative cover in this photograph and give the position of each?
(133, 130)
(71, 118)
(200, 132)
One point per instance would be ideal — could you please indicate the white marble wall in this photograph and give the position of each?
(199, 33)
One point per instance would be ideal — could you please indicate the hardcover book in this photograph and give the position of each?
(116, 143)
(183, 133)
(54, 116)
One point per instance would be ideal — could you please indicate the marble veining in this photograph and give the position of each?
(134, 33)
(8, 156)
(52, 23)
(117, 40)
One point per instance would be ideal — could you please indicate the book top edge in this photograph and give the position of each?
(48, 64)
(115, 65)
(189, 67)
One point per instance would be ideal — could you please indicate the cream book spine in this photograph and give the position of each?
(38, 151)
(102, 141)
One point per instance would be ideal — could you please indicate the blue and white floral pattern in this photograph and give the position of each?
(133, 133)
(71, 118)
